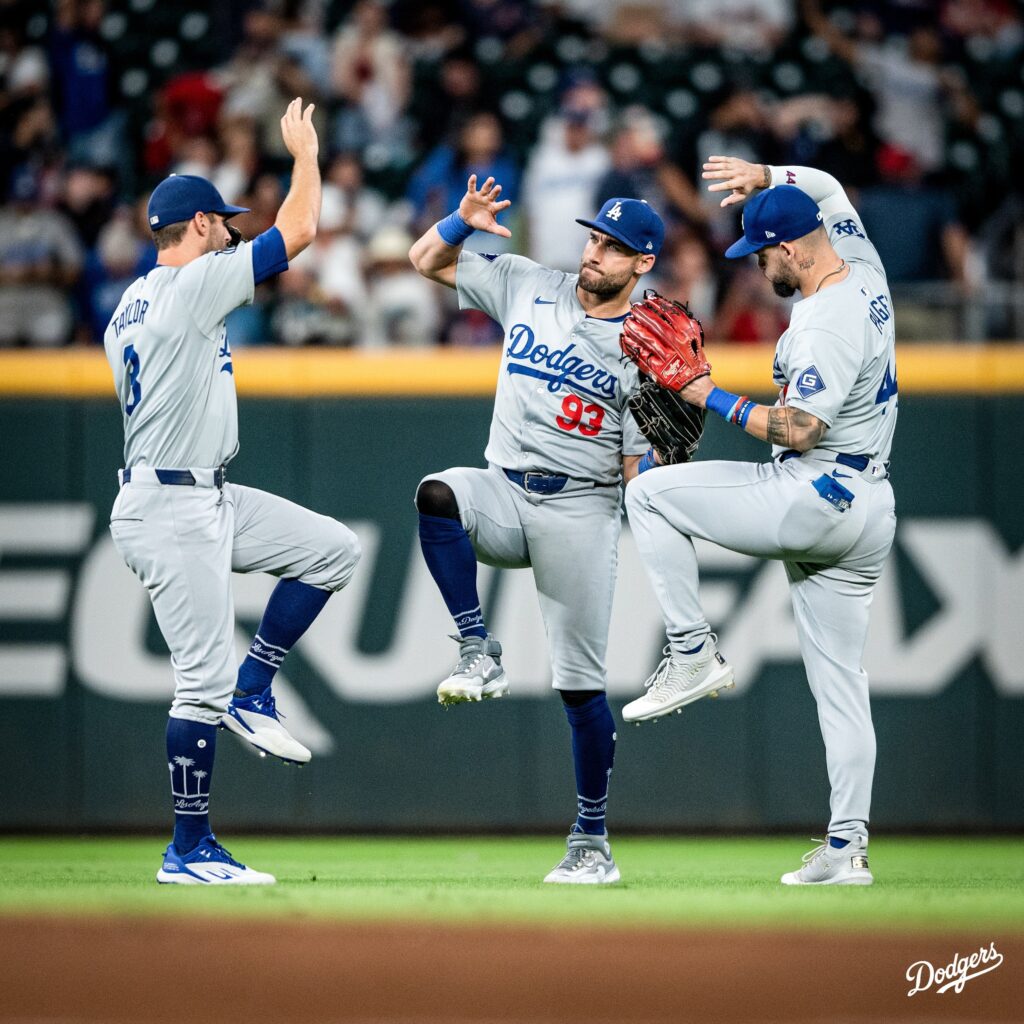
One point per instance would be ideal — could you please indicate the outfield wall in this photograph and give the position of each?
(85, 680)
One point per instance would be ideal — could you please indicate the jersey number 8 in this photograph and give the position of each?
(131, 361)
(575, 410)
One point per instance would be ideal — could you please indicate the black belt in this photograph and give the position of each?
(537, 483)
(178, 477)
(857, 462)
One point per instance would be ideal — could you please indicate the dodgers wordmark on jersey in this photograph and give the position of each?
(560, 404)
(168, 348)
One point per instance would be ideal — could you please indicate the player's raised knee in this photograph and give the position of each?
(435, 498)
(343, 557)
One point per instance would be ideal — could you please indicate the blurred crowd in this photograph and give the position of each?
(916, 106)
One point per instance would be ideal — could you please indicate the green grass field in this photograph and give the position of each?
(932, 883)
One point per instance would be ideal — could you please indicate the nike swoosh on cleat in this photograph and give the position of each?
(544, 302)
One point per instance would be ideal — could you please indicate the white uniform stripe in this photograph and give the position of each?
(283, 650)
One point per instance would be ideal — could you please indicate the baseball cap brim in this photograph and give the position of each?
(227, 210)
(605, 229)
(743, 247)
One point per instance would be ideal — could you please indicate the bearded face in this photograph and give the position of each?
(780, 275)
(604, 283)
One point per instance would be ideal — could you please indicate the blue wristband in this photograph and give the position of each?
(647, 461)
(742, 414)
(721, 402)
(453, 229)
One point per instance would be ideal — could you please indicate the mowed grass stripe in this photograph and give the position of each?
(926, 883)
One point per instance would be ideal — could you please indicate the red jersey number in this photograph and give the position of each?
(587, 419)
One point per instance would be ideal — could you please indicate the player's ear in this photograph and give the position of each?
(645, 263)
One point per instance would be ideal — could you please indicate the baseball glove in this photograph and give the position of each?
(672, 425)
(665, 340)
(235, 235)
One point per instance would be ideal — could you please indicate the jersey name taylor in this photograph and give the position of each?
(168, 350)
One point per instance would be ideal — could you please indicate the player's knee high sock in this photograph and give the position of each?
(190, 750)
(593, 751)
(450, 557)
(290, 612)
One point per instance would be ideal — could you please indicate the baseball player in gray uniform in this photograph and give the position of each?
(561, 440)
(180, 527)
(823, 505)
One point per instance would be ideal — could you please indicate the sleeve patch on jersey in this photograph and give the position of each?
(809, 382)
(847, 228)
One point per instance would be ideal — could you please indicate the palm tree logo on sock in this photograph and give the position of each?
(186, 802)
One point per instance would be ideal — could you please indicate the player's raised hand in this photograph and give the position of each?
(298, 132)
(735, 176)
(480, 207)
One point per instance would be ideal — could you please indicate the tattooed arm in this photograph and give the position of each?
(781, 425)
(791, 428)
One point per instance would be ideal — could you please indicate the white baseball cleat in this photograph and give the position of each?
(256, 720)
(208, 864)
(587, 861)
(478, 675)
(680, 680)
(829, 865)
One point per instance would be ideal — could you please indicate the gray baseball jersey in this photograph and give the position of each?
(560, 404)
(168, 349)
(837, 360)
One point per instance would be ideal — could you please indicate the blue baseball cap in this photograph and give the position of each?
(181, 196)
(776, 215)
(630, 221)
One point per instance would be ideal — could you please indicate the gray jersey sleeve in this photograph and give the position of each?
(845, 229)
(633, 442)
(217, 283)
(825, 368)
(850, 240)
(485, 282)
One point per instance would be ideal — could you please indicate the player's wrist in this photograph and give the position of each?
(453, 229)
(731, 407)
(649, 460)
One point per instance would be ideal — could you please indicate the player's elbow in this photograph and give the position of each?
(418, 258)
(297, 236)
(809, 436)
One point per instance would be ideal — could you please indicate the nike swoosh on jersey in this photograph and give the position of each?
(836, 475)
(544, 302)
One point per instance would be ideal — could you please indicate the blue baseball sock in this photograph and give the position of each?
(593, 751)
(450, 557)
(190, 750)
(290, 612)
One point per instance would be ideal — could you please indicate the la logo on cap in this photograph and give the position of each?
(615, 212)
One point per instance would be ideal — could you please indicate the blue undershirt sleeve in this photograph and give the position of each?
(269, 256)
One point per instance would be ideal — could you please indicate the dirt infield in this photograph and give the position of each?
(128, 971)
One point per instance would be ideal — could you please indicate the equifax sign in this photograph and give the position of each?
(69, 606)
